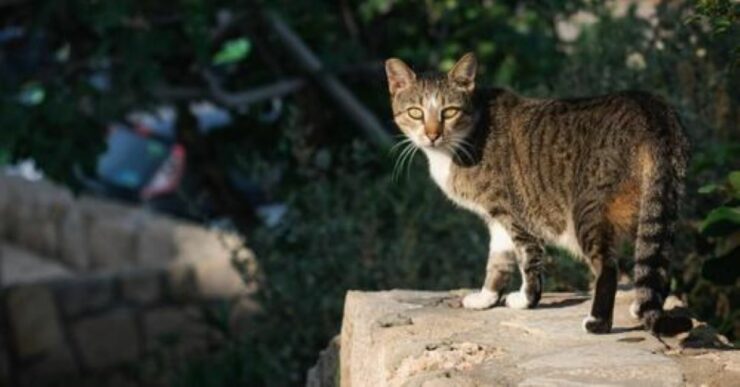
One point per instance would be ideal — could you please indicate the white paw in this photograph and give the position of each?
(517, 300)
(587, 320)
(634, 310)
(480, 300)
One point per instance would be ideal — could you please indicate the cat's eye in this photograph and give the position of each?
(450, 113)
(415, 113)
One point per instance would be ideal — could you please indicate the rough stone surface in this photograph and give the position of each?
(141, 287)
(112, 242)
(176, 329)
(411, 338)
(33, 320)
(182, 285)
(218, 279)
(19, 266)
(73, 231)
(85, 295)
(325, 373)
(107, 340)
(92, 207)
(89, 287)
(40, 213)
(156, 243)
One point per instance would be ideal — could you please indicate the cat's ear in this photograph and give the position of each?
(400, 76)
(463, 72)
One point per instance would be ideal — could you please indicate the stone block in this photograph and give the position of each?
(34, 321)
(326, 371)
(405, 338)
(94, 209)
(107, 340)
(142, 287)
(21, 266)
(43, 369)
(85, 296)
(194, 243)
(181, 282)
(177, 329)
(73, 249)
(40, 214)
(17, 206)
(218, 279)
(112, 242)
(156, 242)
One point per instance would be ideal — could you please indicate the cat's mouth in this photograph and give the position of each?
(439, 142)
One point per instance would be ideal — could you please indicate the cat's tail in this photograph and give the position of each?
(663, 161)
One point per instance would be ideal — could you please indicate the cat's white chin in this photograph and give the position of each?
(480, 300)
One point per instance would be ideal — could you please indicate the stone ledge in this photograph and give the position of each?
(413, 338)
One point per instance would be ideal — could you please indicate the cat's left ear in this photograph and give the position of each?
(463, 72)
(400, 75)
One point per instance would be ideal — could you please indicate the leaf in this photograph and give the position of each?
(721, 221)
(233, 51)
(734, 179)
(707, 189)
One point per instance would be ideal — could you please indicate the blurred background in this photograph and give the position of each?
(267, 122)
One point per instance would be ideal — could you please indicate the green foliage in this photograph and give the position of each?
(721, 14)
(233, 51)
(722, 225)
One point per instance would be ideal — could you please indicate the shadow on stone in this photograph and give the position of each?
(562, 303)
(705, 337)
(627, 329)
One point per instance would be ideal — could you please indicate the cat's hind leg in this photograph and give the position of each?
(596, 238)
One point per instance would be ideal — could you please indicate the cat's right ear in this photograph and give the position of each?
(463, 72)
(400, 76)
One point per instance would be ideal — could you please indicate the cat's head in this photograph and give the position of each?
(433, 110)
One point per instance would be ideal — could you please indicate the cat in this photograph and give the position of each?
(583, 174)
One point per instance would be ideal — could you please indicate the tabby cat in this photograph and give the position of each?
(583, 174)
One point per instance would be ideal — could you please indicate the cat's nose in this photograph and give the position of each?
(433, 136)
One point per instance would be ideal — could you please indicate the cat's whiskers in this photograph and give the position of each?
(399, 144)
(460, 145)
(407, 152)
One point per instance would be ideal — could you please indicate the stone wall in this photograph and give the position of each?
(416, 338)
(89, 286)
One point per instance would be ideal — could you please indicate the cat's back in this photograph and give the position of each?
(554, 151)
(632, 114)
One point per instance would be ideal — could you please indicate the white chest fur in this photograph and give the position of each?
(440, 168)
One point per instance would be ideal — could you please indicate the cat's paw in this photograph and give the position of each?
(518, 300)
(597, 325)
(480, 300)
(666, 324)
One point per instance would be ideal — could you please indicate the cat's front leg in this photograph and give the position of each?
(530, 254)
(498, 272)
(500, 264)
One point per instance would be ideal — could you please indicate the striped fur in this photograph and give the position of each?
(584, 174)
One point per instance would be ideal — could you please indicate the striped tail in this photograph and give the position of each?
(663, 169)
